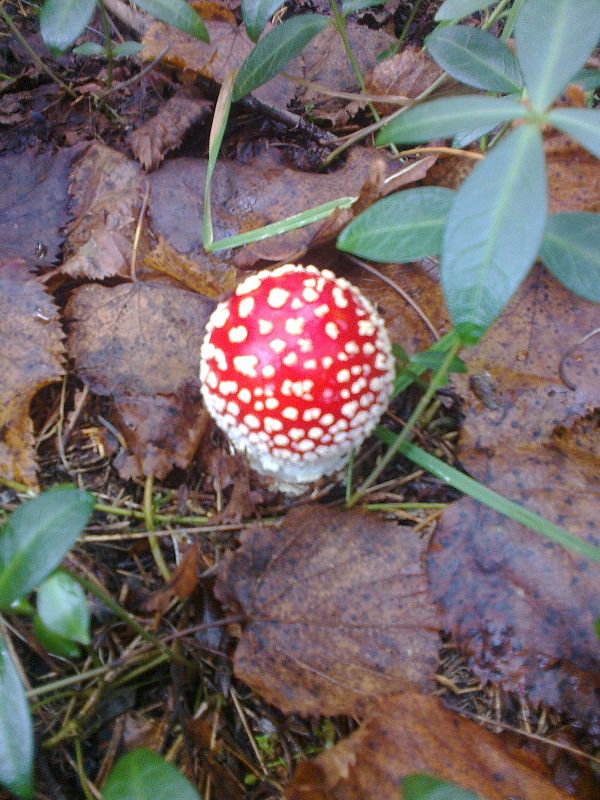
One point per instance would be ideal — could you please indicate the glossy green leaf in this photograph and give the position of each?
(90, 49)
(494, 231)
(403, 227)
(588, 79)
(37, 536)
(448, 116)
(126, 49)
(63, 607)
(53, 642)
(455, 9)
(426, 787)
(350, 6)
(141, 774)
(475, 57)
(256, 14)
(276, 48)
(177, 13)
(582, 124)
(571, 251)
(16, 731)
(63, 21)
(554, 39)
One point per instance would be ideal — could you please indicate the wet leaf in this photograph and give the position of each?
(206, 276)
(33, 205)
(31, 357)
(16, 730)
(409, 73)
(336, 610)
(139, 344)
(142, 774)
(571, 251)
(412, 733)
(63, 608)
(154, 139)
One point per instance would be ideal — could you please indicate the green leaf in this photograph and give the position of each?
(16, 730)
(256, 14)
(350, 6)
(177, 13)
(448, 116)
(425, 787)
(414, 367)
(126, 49)
(63, 21)
(494, 231)
(141, 774)
(465, 138)
(554, 39)
(53, 642)
(63, 607)
(582, 124)
(36, 537)
(403, 227)
(475, 57)
(571, 251)
(276, 48)
(455, 9)
(90, 49)
(588, 79)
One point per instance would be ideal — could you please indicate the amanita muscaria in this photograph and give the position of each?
(296, 367)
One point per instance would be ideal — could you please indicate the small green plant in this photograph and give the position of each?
(426, 787)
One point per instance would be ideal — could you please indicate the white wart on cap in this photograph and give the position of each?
(297, 369)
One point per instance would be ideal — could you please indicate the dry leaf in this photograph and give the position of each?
(154, 139)
(336, 607)
(139, 344)
(33, 204)
(31, 357)
(406, 74)
(182, 585)
(204, 275)
(410, 734)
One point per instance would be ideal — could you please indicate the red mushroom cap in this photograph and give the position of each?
(297, 369)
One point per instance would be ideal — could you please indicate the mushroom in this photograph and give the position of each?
(296, 368)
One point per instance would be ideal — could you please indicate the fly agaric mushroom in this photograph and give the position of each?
(297, 368)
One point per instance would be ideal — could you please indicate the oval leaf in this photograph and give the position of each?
(256, 14)
(554, 38)
(582, 124)
(426, 787)
(475, 57)
(402, 227)
(63, 608)
(455, 9)
(90, 49)
(126, 49)
(142, 774)
(494, 231)
(53, 643)
(447, 117)
(571, 251)
(63, 21)
(16, 732)
(177, 13)
(36, 537)
(276, 48)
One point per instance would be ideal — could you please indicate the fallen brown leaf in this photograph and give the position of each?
(139, 344)
(182, 585)
(409, 734)
(573, 175)
(205, 275)
(31, 357)
(336, 607)
(407, 74)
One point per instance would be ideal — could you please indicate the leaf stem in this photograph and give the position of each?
(108, 45)
(153, 541)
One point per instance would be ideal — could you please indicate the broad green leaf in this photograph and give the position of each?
(588, 79)
(126, 49)
(16, 731)
(276, 48)
(63, 21)
(403, 227)
(455, 9)
(475, 57)
(426, 787)
(90, 49)
(256, 14)
(141, 774)
(494, 231)
(554, 38)
(53, 642)
(36, 537)
(582, 124)
(448, 116)
(177, 13)
(350, 6)
(63, 607)
(571, 251)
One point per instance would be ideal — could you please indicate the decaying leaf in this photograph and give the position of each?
(108, 190)
(204, 274)
(139, 344)
(410, 734)
(30, 358)
(183, 583)
(406, 74)
(33, 204)
(164, 132)
(336, 607)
